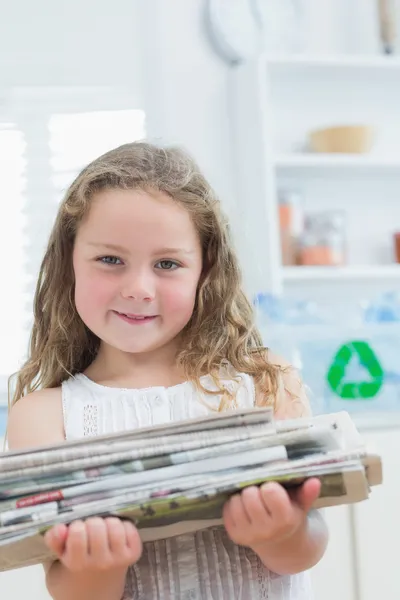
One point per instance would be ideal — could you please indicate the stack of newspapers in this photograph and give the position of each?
(174, 479)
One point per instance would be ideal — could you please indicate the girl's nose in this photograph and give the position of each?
(138, 286)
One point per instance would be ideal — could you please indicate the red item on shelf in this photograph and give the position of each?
(396, 238)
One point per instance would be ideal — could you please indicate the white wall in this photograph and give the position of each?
(158, 47)
(69, 43)
(187, 88)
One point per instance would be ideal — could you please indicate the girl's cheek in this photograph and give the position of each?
(179, 297)
(94, 292)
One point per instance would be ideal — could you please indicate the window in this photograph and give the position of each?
(76, 139)
(46, 138)
(12, 247)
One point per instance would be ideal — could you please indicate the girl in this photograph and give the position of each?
(140, 319)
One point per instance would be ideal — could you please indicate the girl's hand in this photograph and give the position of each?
(268, 514)
(96, 544)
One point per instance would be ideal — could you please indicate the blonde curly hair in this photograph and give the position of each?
(221, 329)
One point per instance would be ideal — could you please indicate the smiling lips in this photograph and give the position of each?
(135, 319)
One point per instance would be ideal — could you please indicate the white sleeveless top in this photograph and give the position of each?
(205, 565)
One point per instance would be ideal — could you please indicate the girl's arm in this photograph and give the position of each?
(93, 555)
(300, 551)
(282, 529)
(62, 584)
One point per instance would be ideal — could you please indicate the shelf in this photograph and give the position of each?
(348, 273)
(344, 61)
(336, 161)
(263, 89)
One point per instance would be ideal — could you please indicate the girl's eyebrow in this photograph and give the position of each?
(174, 251)
(117, 248)
(114, 247)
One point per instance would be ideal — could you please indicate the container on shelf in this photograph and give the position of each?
(323, 241)
(346, 139)
(387, 25)
(291, 225)
(396, 239)
(347, 353)
(345, 367)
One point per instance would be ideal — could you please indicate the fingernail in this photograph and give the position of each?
(59, 532)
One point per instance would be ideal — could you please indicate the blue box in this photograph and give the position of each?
(352, 368)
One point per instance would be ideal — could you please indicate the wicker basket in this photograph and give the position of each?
(352, 139)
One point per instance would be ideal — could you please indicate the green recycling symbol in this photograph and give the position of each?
(357, 389)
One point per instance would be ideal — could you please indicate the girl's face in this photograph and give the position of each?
(137, 262)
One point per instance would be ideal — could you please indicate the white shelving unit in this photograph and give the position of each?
(275, 103)
(385, 273)
(345, 162)
(344, 61)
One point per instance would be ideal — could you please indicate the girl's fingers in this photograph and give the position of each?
(133, 541)
(237, 512)
(76, 547)
(254, 507)
(55, 539)
(117, 541)
(278, 503)
(308, 493)
(98, 548)
(96, 544)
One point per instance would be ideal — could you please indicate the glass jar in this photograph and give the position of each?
(323, 241)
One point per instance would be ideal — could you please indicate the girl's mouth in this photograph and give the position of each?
(135, 319)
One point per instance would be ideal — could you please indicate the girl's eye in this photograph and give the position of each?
(110, 260)
(167, 265)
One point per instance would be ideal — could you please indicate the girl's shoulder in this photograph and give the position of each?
(36, 420)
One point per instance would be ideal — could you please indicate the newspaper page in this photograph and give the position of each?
(182, 488)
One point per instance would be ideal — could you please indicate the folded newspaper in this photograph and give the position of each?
(175, 478)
